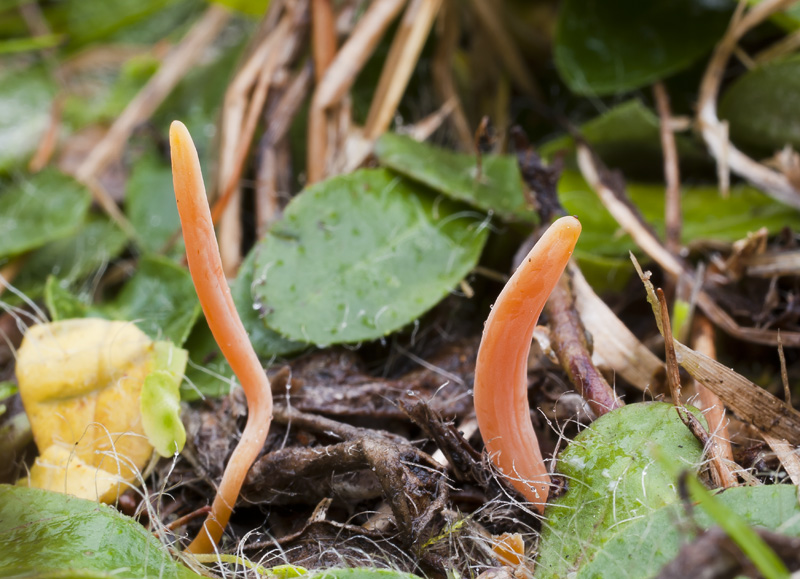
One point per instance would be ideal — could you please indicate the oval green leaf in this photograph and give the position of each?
(39, 209)
(761, 106)
(359, 256)
(645, 545)
(498, 189)
(611, 46)
(613, 480)
(53, 534)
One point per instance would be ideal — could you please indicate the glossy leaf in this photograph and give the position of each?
(498, 189)
(39, 209)
(359, 256)
(25, 98)
(606, 47)
(760, 106)
(649, 542)
(613, 479)
(47, 534)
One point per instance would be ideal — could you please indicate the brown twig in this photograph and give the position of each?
(673, 373)
(323, 36)
(751, 403)
(632, 223)
(511, 59)
(340, 77)
(403, 55)
(615, 346)
(714, 131)
(48, 142)
(145, 103)
(712, 406)
(672, 209)
(442, 71)
(568, 338)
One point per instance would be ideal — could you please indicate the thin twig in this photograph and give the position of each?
(673, 373)
(144, 104)
(340, 76)
(323, 36)
(403, 56)
(568, 338)
(48, 142)
(714, 131)
(511, 59)
(442, 71)
(712, 406)
(672, 209)
(632, 223)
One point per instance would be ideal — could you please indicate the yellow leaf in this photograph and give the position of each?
(80, 381)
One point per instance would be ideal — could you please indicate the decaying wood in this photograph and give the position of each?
(568, 337)
(773, 264)
(410, 480)
(787, 455)
(615, 346)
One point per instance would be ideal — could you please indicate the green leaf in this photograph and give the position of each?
(612, 46)
(30, 43)
(160, 401)
(751, 544)
(759, 108)
(92, 20)
(208, 373)
(25, 97)
(150, 202)
(746, 210)
(645, 545)
(62, 303)
(267, 343)
(109, 93)
(250, 7)
(613, 480)
(159, 298)
(34, 211)
(628, 137)
(499, 188)
(72, 259)
(359, 256)
(49, 534)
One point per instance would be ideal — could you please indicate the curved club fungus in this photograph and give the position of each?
(501, 372)
(205, 265)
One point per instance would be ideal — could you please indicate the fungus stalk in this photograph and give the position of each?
(205, 266)
(501, 372)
